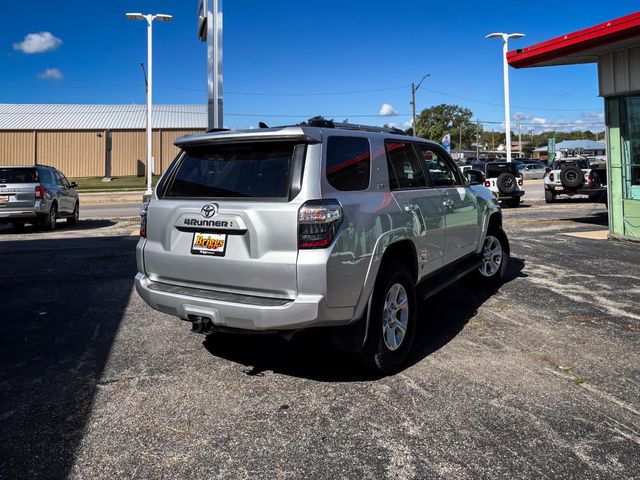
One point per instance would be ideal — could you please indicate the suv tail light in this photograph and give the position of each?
(318, 222)
(143, 219)
(520, 182)
(40, 192)
(487, 183)
(551, 177)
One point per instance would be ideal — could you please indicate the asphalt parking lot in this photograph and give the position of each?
(539, 379)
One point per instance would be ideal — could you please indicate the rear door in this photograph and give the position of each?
(17, 188)
(63, 193)
(226, 219)
(422, 205)
(461, 214)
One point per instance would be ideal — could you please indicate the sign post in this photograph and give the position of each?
(210, 31)
(551, 148)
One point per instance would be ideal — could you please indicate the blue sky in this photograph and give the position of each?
(275, 50)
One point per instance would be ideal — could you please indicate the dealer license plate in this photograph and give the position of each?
(4, 198)
(209, 243)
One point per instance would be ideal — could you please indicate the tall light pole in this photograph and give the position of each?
(505, 66)
(149, 19)
(414, 89)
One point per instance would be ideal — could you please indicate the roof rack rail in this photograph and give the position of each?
(353, 126)
(211, 130)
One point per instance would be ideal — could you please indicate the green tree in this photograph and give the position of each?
(435, 122)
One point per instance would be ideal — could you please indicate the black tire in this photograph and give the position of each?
(506, 183)
(493, 276)
(75, 217)
(49, 222)
(377, 354)
(513, 202)
(571, 176)
(549, 196)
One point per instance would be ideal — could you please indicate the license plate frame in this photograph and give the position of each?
(207, 243)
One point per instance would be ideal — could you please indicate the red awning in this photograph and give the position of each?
(583, 46)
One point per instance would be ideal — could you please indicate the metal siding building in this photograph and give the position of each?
(73, 138)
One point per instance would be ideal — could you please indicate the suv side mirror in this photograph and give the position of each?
(475, 177)
(73, 185)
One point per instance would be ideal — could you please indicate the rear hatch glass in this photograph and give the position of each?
(252, 170)
(495, 169)
(18, 175)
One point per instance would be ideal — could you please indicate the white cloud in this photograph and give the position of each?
(387, 110)
(408, 124)
(52, 73)
(38, 43)
(538, 121)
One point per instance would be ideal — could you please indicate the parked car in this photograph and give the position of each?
(39, 195)
(529, 171)
(575, 176)
(338, 226)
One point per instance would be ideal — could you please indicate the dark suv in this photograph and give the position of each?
(39, 195)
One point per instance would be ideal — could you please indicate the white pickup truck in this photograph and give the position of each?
(575, 176)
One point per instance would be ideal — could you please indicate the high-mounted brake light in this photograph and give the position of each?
(40, 192)
(143, 219)
(318, 223)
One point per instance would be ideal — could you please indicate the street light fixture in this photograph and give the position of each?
(149, 19)
(505, 67)
(414, 89)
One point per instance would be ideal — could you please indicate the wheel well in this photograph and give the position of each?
(405, 252)
(495, 220)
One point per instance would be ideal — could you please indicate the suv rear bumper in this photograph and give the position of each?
(516, 194)
(241, 312)
(26, 215)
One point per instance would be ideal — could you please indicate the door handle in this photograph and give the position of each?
(447, 204)
(410, 207)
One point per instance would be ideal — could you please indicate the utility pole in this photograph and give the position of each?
(477, 139)
(493, 141)
(460, 144)
(519, 137)
(415, 88)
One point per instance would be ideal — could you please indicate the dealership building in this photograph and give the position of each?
(94, 140)
(615, 47)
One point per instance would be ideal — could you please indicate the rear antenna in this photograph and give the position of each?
(263, 125)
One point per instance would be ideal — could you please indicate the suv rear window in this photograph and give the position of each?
(495, 169)
(253, 170)
(18, 175)
(348, 163)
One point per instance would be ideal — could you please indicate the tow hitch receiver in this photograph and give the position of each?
(200, 324)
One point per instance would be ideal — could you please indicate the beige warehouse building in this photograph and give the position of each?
(94, 140)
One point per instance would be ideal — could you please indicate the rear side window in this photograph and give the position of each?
(348, 163)
(247, 170)
(18, 175)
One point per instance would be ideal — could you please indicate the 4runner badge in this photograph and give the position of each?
(208, 211)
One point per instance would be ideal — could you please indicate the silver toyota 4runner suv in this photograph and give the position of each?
(336, 225)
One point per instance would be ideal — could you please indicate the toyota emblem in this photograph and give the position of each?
(208, 211)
